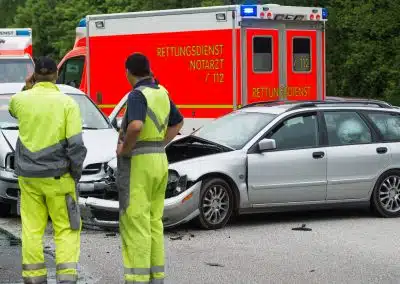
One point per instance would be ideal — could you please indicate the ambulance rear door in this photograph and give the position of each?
(302, 61)
(282, 53)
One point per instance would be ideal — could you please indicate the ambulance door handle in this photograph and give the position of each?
(99, 97)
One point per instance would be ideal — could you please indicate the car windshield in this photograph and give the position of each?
(91, 116)
(235, 129)
(15, 70)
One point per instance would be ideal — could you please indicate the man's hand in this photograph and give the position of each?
(29, 82)
(122, 151)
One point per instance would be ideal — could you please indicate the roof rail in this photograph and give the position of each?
(276, 102)
(380, 104)
(261, 103)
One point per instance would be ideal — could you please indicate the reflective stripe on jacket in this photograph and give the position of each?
(152, 135)
(50, 140)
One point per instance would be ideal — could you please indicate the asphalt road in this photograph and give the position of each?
(345, 246)
(10, 260)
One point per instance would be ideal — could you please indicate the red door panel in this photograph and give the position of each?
(301, 65)
(262, 48)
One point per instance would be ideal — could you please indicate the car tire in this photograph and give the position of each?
(385, 199)
(5, 209)
(216, 204)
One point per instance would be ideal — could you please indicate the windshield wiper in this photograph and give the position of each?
(91, 128)
(15, 127)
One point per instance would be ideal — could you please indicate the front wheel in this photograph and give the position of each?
(385, 199)
(216, 204)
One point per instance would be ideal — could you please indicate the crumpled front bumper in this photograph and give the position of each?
(84, 187)
(177, 210)
(9, 187)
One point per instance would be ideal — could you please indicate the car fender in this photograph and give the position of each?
(230, 164)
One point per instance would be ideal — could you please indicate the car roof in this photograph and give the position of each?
(25, 56)
(279, 107)
(12, 88)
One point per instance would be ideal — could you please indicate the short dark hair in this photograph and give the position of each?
(138, 65)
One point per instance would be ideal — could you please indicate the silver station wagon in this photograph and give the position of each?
(278, 156)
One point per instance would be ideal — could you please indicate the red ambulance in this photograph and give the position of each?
(15, 55)
(211, 59)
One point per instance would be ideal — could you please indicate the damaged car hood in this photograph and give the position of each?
(224, 163)
(196, 160)
(99, 143)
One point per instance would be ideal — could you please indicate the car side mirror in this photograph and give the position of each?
(117, 122)
(72, 84)
(266, 144)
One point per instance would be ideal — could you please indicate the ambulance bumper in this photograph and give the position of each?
(177, 210)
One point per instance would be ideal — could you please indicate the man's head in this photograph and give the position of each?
(45, 70)
(137, 67)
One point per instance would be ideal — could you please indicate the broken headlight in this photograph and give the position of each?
(176, 184)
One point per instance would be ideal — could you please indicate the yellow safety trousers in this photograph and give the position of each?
(41, 197)
(141, 225)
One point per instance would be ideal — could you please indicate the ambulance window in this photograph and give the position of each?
(262, 54)
(301, 54)
(71, 71)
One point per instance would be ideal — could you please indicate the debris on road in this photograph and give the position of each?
(214, 264)
(302, 228)
(111, 234)
(174, 238)
(180, 235)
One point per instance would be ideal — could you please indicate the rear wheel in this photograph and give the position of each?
(216, 204)
(385, 199)
(5, 209)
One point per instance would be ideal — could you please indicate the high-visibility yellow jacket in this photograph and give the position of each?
(50, 140)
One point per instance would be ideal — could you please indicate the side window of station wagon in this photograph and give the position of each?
(387, 123)
(346, 128)
(297, 132)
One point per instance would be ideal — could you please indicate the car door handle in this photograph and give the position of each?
(381, 150)
(318, 155)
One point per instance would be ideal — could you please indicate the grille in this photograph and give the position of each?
(12, 192)
(95, 194)
(105, 215)
(92, 169)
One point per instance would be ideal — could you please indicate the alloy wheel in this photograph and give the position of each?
(389, 194)
(216, 204)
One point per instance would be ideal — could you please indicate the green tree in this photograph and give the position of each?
(53, 23)
(363, 54)
(8, 9)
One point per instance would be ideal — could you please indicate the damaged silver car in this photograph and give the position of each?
(99, 137)
(280, 156)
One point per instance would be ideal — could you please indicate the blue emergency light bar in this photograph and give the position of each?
(82, 23)
(23, 32)
(248, 11)
(324, 13)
